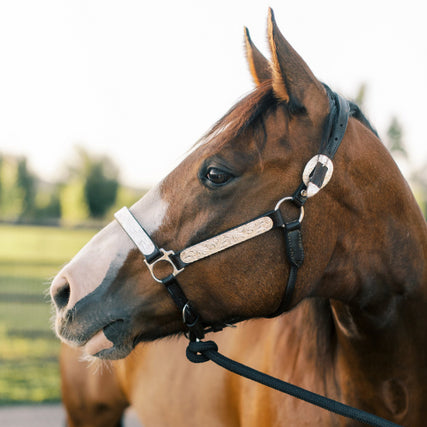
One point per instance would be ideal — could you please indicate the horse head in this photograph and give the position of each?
(107, 300)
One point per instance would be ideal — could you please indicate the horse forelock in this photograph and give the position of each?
(245, 114)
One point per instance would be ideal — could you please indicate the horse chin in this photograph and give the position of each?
(117, 351)
(101, 337)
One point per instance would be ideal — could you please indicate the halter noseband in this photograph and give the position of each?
(316, 175)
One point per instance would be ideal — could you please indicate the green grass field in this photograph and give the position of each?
(29, 258)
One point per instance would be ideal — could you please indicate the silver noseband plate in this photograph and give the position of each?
(137, 234)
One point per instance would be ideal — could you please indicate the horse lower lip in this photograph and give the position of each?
(106, 338)
(98, 343)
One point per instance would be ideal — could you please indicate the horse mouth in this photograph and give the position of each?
(111, 342)
(98, 343)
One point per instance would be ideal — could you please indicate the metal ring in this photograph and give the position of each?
(187, 309)
(301, 215)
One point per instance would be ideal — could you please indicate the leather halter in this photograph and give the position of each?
(316, 175)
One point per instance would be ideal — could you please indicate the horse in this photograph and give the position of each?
(353, 326)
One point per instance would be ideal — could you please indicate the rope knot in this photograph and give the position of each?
(196, 350)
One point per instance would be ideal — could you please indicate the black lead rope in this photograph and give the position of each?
(202, 351)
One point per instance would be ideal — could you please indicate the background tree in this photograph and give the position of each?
(360, 96)
(100, 187)
(98, 178)
(26, 183)
(1, 185)
(394, 140)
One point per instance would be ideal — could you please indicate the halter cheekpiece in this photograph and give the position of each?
(316, 175)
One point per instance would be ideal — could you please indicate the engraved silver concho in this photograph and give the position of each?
(313, 189)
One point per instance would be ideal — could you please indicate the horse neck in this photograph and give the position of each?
(376, 280)
(374, 283)
(380, 335)
(381, 235)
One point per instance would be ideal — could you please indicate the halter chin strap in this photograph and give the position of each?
(316, 175)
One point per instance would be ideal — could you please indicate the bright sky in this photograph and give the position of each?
(141, 81)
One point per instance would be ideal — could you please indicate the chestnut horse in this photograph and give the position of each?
(354, 327)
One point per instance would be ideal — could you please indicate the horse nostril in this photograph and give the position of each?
(62, 296)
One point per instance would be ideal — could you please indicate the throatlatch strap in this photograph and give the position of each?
(333, 135)
(295, 255)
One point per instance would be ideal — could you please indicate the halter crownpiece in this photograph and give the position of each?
(318, 171)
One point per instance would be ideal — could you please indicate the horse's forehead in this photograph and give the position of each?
(214, 135)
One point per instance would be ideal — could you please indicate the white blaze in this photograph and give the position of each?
(151, 210)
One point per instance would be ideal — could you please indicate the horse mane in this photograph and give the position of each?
(356, 112)
(324, 330)
(250, 110)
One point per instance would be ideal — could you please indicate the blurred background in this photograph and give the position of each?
(99, 99)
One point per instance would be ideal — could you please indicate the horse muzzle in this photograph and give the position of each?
(97, 322)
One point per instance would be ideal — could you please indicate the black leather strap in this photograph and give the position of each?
(340, 111)
(295, 255)
(334, 130)
(190, 316)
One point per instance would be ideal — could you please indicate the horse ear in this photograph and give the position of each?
(258, 64)
(292, 79)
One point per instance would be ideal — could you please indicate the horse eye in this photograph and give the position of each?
(217, 176)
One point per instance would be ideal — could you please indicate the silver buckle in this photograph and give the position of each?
(166, 257)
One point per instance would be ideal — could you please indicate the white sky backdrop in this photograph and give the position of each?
(141, 81)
